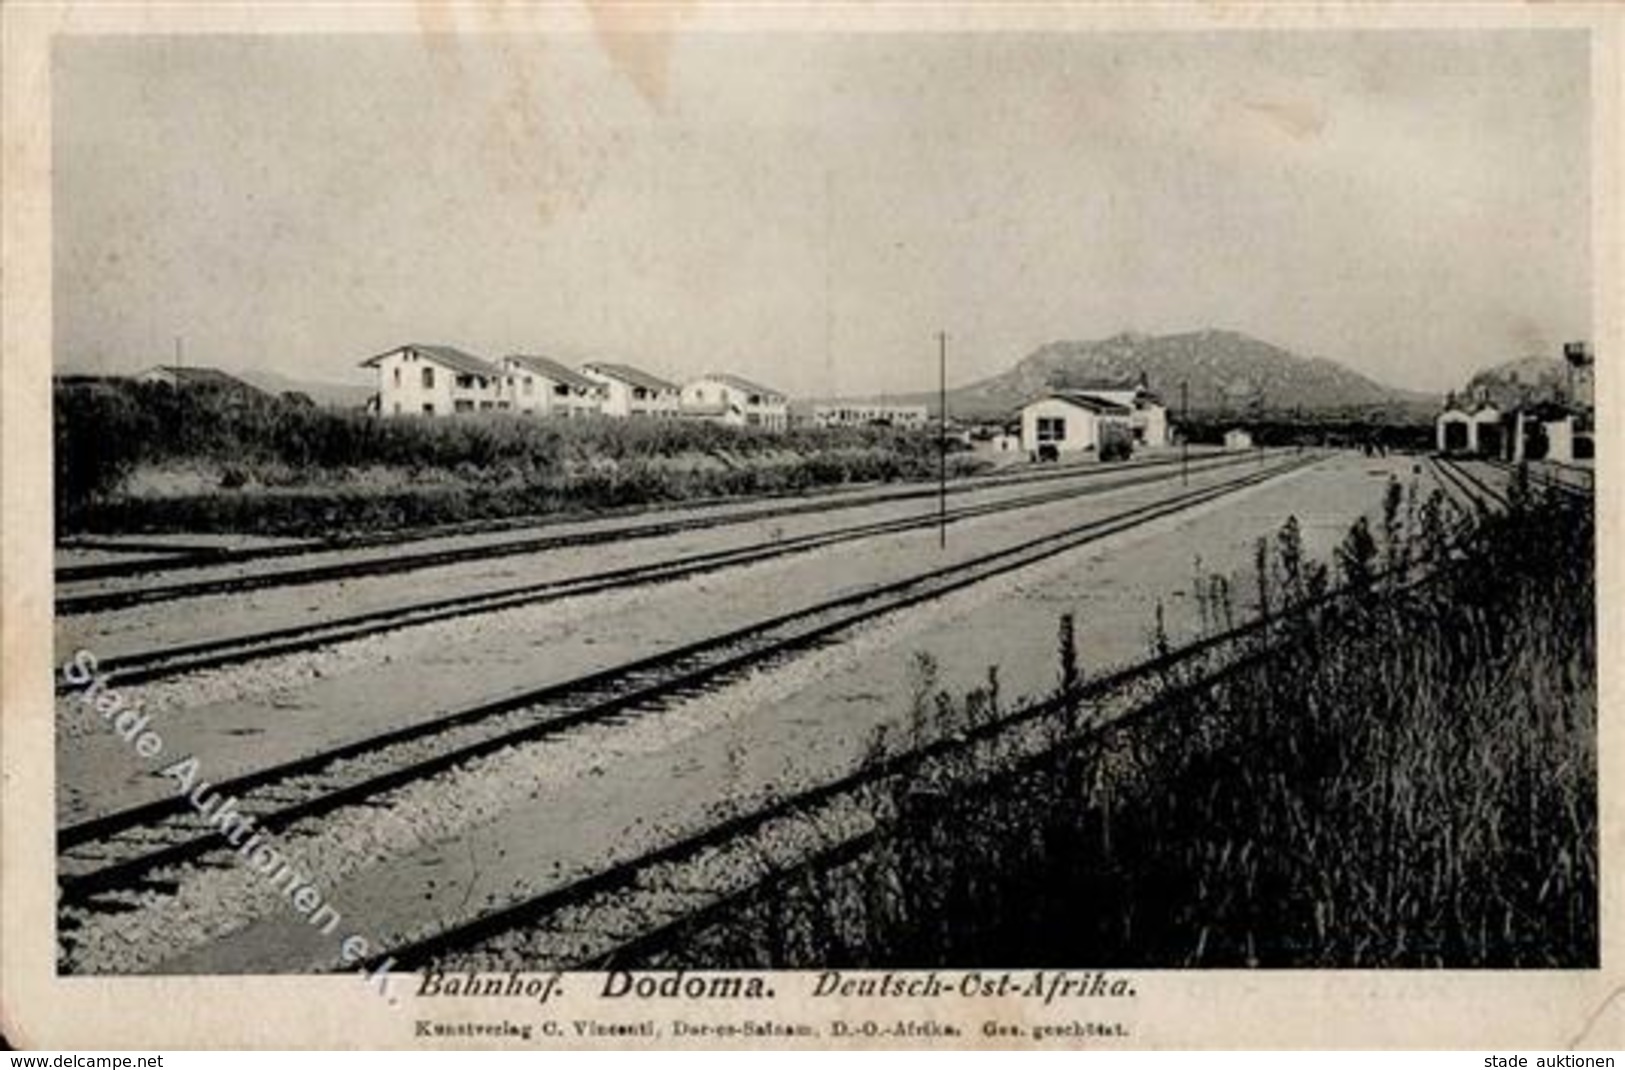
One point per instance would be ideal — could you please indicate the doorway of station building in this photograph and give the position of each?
(1536, 444)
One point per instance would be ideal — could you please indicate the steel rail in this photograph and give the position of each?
(162, 662)
(831, 500)
(1545, 474)
(623, 883)
(1471, 484)
(117, 850)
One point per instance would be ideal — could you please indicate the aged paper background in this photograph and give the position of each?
(1173, 1009)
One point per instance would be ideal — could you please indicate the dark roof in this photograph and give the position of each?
(1089, 385)
(1090, 402)
(553, 370)
(192, 375)
(455, 359)
(1143, 394)
(630, 375)
(741, 383)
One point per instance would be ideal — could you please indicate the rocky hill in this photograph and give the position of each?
(1227, 373)
(1526, 380)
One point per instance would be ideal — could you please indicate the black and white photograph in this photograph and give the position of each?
(676, 507)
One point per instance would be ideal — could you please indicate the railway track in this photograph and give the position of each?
(101, 858)
(204, 557)
(1455, 488)
(643, 912)
(1470, 486)
(1575, 483)
(634, 911)
(1564, 479)
(224, 651)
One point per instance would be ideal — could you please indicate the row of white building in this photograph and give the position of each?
(436, 380)
(439, 380)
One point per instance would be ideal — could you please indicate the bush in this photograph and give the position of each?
(1116, 443)
(1406, 778)
(292, 467)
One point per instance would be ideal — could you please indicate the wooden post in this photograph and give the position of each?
(942, 440)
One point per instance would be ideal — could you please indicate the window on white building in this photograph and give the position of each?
(428, 384)
(1052, 429)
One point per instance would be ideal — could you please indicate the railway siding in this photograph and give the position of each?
(491, 865)
(492, 657)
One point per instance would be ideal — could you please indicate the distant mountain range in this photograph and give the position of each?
(330, 395)
(1226, 373)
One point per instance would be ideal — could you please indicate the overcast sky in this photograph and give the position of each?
(811, 210)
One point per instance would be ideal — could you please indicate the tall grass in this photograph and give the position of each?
(278, 467)
(1404, 777)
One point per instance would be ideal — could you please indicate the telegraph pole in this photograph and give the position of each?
(1261, 408)
(1184, 432)
(942, 440)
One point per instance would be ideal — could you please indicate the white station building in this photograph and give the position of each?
(1477, 431)
(1070, 422)
(1073, 420)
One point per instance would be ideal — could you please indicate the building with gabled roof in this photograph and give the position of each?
(436, 380)
(545, 387)
(1150, 416)
(630, 391)
(1070, 421)
(1475, 430)
(732, 399)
